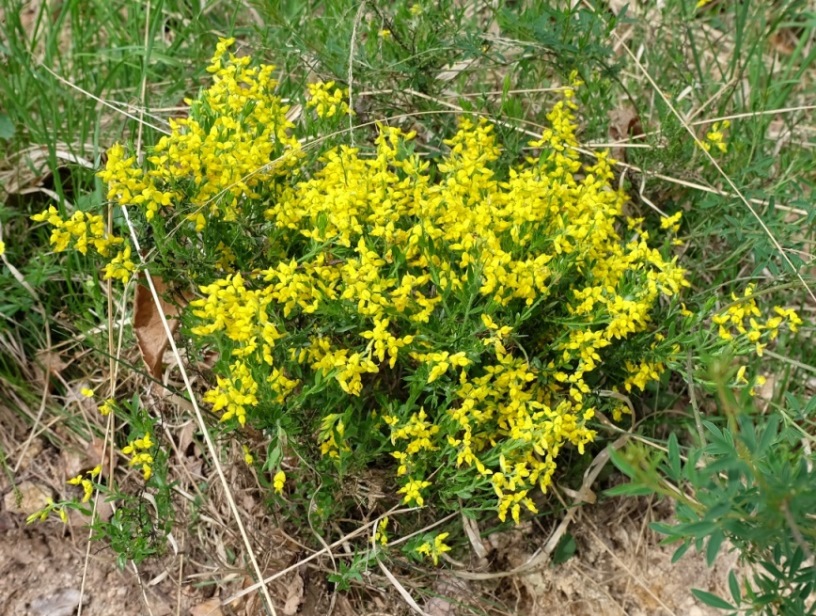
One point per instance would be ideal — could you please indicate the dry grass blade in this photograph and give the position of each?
(401, 590)
(352, 45)
(355, 533)
(101, 101)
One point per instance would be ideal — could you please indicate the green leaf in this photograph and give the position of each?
(619, 460)
(663, 528)
(272, 459)
(734, 587)
(680, 552)
(629, 489)
(674, 457)
(713, 547)
(699, 529)
(711, 599)
(565, 549)
(769, 434)
(6, 127)
(771, 568)
(795, 561)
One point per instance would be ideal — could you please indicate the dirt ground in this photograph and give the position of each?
(618, 569)
(42, 570)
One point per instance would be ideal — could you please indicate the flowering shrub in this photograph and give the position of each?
(475, 311)
(463, 319)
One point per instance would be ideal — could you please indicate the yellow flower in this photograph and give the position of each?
(380, 536)
(137, 448)
(412, 491)
(793, 318)
(672, 222)
(248, 458)
(435, 549)
(715, 137)
(759, 381)
(385, 34)
(87, 392)
(120, 267)
(279, 481)
(2, 248)
(107, 407)
(42, 514)
(87, 484)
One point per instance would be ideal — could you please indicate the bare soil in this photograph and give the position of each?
(618, 569)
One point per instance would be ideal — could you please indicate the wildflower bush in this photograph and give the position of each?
(465, 316)
(462, 322)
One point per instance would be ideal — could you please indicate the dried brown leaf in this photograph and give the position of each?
(148, 327)
(450, 592)
(96, 450)
(29, 456)
(51, 361)
(210, 607)
(294, 597)
(624, 124)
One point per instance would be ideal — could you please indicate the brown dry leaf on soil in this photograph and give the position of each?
(624, 125)
(211, 607)
(295, 596)
(148, 327)
(49, 360)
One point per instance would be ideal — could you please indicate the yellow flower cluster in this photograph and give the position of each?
(434, 549)
(328, 100)
(236, 140)
(475, 308)
(84, 230)
(332, 435)
(742, 322)
(715, 137)
(381, 534)
(86, 482)
(140, 450)
(744, 319)
(50, 507)
(279, 481)
(107, 407)
(234, 393)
